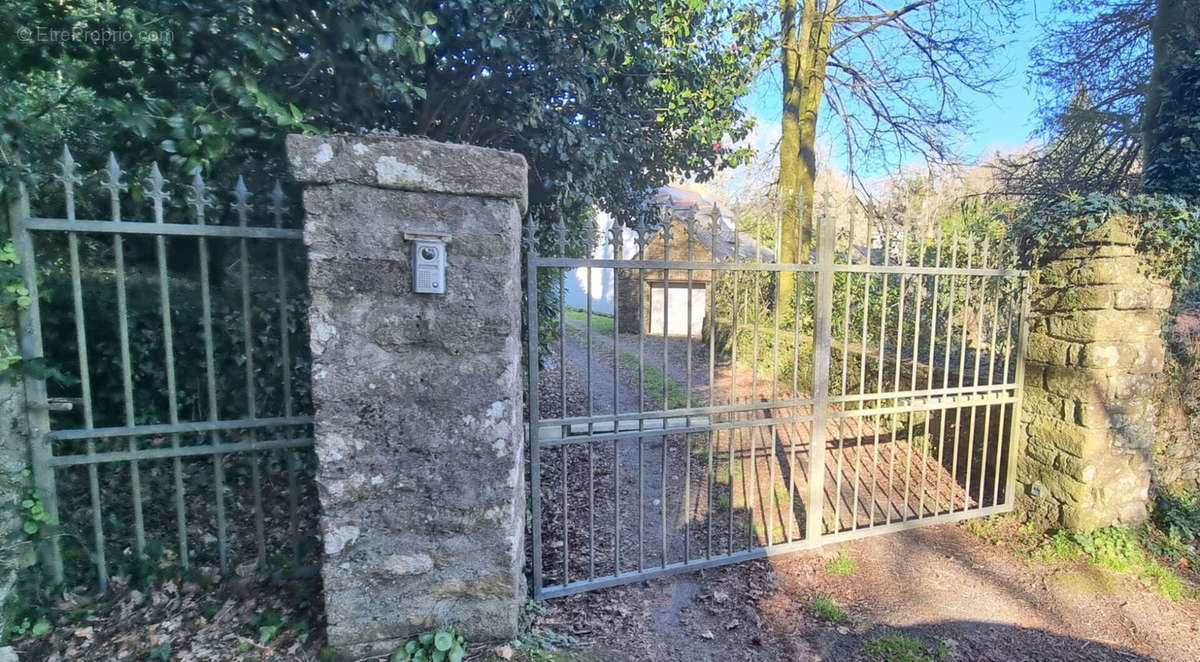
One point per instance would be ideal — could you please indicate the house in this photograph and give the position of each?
(663, 303)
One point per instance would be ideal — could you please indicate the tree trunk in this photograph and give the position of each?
(805, 54)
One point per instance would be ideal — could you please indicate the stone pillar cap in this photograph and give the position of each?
(408, 163)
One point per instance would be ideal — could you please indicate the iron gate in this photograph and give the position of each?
(875, 389)
(175, 429)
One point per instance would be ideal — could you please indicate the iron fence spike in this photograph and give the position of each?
(560, 233)
(112, 172)
(199, 191)
(155, 183)
(68, 176)
(531, 234)
(241, 204)
(616, 238)
(277, 206)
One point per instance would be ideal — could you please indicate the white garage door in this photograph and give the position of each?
(676, 315)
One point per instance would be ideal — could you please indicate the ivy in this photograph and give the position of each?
(440, 646)
(1166, 229)
(12, 292)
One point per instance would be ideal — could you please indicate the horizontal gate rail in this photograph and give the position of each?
(162, 229)
(181, 451)
(170, 428)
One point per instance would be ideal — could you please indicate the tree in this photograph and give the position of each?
(606, 100)
(1137, 60)
(1171, 126)
(894, 80)
(1078, 159)
(1104, 47)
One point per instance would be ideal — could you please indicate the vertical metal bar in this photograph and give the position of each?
(987, 413)
(883, 280)
(944, 412)
(591, 460)
(157, 195)
(862, 379)
(793, 430)
(711, 477)
(771, 456)
(733, 370)
(277, 208)
(666, 379)
(37, 411)
(561, 230)
(837, 508)
(756, 310)
(690, 227)
(1014, 432)
(618, 244)
(1013, 311)
(900, 278)
(933, 334)
(69, 180)
(135, 477)
(914, 363)
(199, 202)
(962, 369)
(978, 310)
(822, 346)
(642, 324)
(243, 206)
(535, 465)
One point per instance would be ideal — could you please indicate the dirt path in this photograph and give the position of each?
(964, 598)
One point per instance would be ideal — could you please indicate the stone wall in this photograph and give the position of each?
(418, 397)
(1093, 384)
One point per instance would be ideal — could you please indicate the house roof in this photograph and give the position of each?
(686, 205)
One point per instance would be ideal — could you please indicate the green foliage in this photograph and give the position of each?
(440, 646)
(898, 647)
(1173, 165)
(34, 513)
(826, 609)
(1177, 518)
(1120, 550)
(1167, 229)
(842, 564)
(558, 81)
(12, 293)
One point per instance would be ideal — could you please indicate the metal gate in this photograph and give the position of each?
(166, 377)
(875, 389)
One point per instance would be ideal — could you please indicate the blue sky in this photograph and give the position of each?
(1004, 121)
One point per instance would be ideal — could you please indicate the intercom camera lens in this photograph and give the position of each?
(429, 253)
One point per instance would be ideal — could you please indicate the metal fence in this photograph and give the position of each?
(166, 375)
(731, 407)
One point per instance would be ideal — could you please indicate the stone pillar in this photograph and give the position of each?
(16, 552)
(418, 397)
(1092, 386)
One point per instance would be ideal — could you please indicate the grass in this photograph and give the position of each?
(898, 647)
(826, 609)
(601, 322)
(842, 564)
(654, 381)
(1121, 550)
